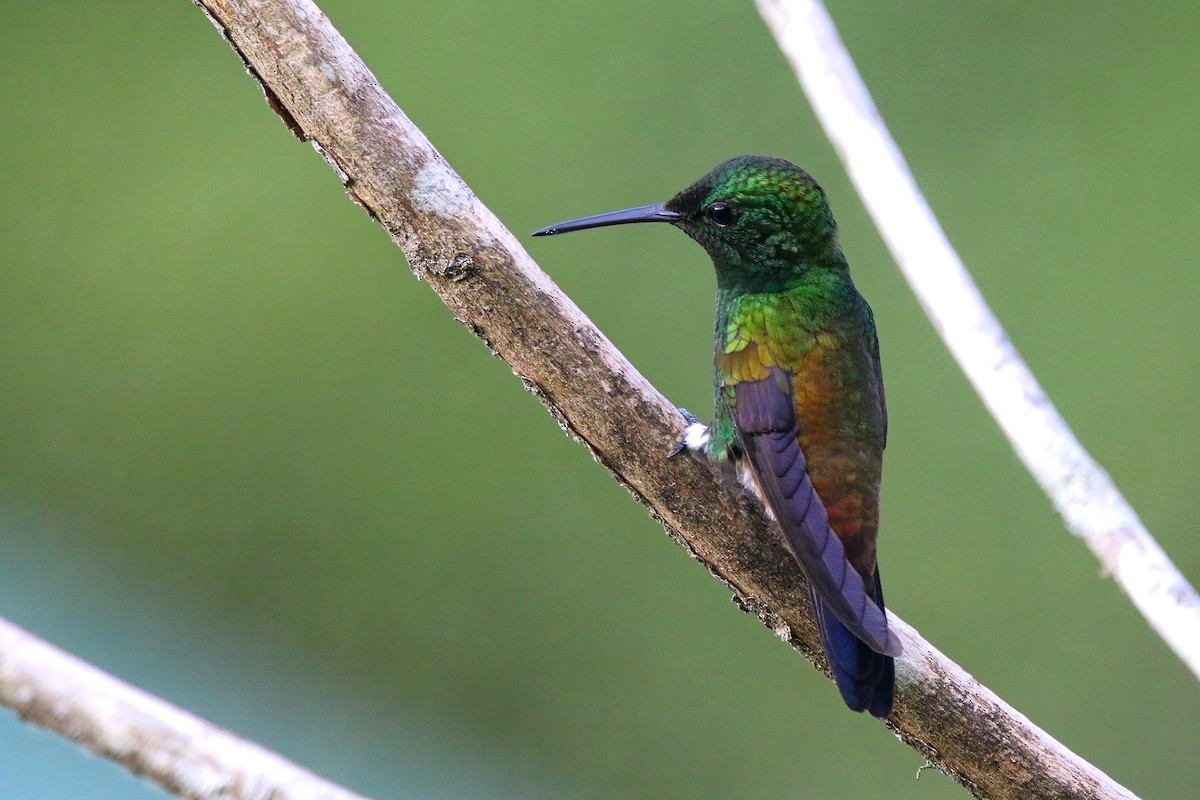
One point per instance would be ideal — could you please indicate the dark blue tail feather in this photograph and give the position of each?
(865, 678)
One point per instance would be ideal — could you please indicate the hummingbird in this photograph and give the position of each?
(799, 408)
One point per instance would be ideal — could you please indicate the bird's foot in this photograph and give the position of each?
(695, 437)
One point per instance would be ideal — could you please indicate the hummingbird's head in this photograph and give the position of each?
(763, 220)
(757, 217)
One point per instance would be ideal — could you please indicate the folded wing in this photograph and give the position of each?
(765, 418)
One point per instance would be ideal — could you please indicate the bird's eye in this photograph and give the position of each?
(720, 214)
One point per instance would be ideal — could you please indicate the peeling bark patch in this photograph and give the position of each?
(277, 106)
(358, 201)
(273, 101)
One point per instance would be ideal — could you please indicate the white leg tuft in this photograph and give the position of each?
(696, 437)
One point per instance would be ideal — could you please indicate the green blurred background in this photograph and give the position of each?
(247, 462)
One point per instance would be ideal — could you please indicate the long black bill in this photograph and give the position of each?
(654, 213)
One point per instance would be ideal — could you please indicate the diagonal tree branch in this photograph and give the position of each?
(1092, 507)
(327, 96)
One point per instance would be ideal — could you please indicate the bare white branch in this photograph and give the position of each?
(1092, 507)
(152, 738)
